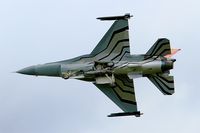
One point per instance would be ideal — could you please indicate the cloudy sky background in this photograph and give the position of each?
(40, 31)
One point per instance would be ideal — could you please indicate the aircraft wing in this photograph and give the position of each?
(122, 94)
(114, 45)
(165, 83)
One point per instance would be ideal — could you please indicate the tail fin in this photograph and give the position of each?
(160, 48)
(164, 83)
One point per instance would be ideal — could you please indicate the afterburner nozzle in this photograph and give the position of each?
(167, 65)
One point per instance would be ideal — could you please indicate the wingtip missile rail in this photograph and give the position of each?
(126, 16)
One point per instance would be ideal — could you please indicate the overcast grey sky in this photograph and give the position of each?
(40, 31)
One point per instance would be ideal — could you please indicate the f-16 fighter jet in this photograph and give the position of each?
(111, 67)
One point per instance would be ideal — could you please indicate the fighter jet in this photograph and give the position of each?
(111, 67)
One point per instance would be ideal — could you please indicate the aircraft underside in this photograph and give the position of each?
(112, 69)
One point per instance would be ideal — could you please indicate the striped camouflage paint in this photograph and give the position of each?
(160, 48)
(110, 63)
(122, 93)
(114, 45)
(164, 83)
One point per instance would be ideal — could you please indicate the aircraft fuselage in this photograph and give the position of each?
(102, 72)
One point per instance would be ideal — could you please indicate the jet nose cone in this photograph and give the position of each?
(28, 71)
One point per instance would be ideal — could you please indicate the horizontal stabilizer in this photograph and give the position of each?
(160, 48)
(164, 83)
(126, 16)
(137, 114)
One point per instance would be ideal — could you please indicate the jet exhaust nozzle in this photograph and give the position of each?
(167, 65)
